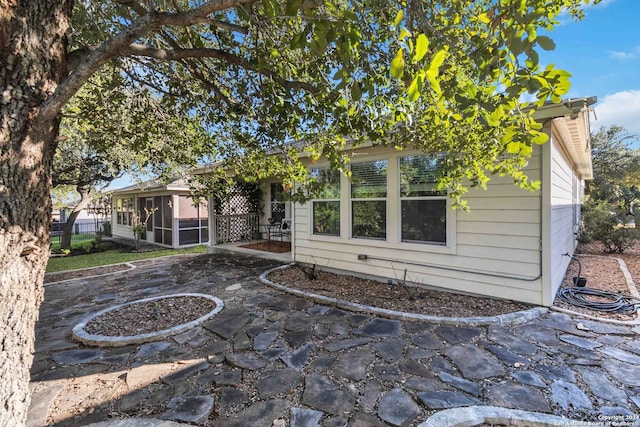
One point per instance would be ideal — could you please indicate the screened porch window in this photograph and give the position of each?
(423, 207)
(326, 206)
(192, 221)
(369, 200)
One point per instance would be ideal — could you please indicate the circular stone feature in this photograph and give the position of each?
(146, 320)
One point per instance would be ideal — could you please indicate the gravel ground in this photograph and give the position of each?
(150, 316)
(603, 272)
(402, 298)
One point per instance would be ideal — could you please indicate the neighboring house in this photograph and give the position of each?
(389, 222)
(176, 221)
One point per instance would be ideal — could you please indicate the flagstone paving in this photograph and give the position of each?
(271, 359)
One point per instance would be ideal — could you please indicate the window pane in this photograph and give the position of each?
(188, 237)
(326, 218)
(419, 175)
(424, 221)
(330, 181)
(369, 219)
(167, 237)
(369, 180)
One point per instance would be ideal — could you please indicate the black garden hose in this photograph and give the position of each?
(615, 302)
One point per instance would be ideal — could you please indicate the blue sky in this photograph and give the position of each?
(602, 52)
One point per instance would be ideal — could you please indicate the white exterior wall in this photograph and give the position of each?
(565, 189)
(500, 236)
(119, 230)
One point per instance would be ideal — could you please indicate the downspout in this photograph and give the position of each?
(545, 217)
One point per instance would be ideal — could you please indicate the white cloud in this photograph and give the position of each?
(620, 108)
(623, 55)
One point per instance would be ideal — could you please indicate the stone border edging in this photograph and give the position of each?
(81, 335)
(515, 318)
(474, 415)
(138, 422)
(632, 290)
(128, 264)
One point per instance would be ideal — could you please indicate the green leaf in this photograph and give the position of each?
(415, 88)
(513, 147)
(422, 44)
(269, 8)
(484, 18)
(437, 60)
(539, 138)
(432, 76)
(292, 7)
(356, 93)
(526, 150)
(397, 65)
(404, 33)
(546, 43)
(398, 19)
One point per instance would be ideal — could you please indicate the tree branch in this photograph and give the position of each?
(96, 57)
(179, 54)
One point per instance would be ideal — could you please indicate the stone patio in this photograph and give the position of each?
(274, 359)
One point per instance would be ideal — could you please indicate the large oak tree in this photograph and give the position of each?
(442, 76)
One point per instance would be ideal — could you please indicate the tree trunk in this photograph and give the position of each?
(32, 63)
(67, 230)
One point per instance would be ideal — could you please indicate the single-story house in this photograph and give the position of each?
(390, 223)
(175, 220)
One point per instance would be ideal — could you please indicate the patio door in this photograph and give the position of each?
(278, 205)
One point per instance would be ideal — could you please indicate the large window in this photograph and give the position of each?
(124, 211)
(423, 207)
(369, 200)
(326, 206)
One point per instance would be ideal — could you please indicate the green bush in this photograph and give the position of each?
(602, 222)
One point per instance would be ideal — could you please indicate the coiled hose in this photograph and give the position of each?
(614, 302)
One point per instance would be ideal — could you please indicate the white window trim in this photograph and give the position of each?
(445, 197)
(393, 240)
(330, 237)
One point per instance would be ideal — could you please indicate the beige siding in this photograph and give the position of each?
(499, 236)
(563, 193)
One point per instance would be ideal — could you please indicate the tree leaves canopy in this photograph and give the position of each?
(312, 77)
(616, 168)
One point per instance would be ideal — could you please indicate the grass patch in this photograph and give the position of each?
(113, 256)
(77, 241)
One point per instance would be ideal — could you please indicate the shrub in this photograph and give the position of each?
(601, 222)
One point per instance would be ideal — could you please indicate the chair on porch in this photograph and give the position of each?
(284, 230)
